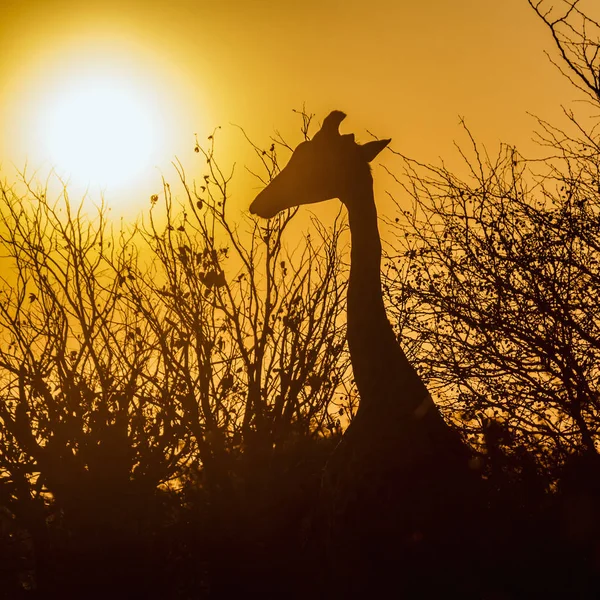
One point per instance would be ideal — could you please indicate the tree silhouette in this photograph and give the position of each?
(576, 35)
(190, 361)
(87, 427)
(254, 331)
(254, 334)
(494, 276)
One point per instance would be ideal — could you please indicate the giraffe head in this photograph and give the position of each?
(330, 165)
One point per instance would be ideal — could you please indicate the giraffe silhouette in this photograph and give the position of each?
(400, 474)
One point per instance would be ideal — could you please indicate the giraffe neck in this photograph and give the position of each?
(382, 372)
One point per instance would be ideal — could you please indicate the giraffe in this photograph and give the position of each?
(393, 472)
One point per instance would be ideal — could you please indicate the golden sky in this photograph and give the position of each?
(400, 68)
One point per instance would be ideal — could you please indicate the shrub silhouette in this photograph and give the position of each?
(87, 430)
(495, 275)
(146, 369)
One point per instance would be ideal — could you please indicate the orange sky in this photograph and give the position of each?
(400, 68)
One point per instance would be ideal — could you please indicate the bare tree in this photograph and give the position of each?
(494, 276)
(253, 332)
(193, 353)
(576, 34)
(88, 427)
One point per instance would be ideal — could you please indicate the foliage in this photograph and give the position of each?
(253, 332)
(185, 359)
(494, 277)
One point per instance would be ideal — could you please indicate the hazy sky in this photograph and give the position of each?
(401, 68)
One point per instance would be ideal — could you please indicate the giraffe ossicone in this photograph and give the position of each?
(322, 168)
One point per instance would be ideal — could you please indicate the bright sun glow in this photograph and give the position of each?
(105, 113)
(100, 130)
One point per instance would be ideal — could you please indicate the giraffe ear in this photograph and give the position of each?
(371, 149)
(331, 124)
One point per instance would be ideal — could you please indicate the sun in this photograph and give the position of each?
(106, 112)
(100, 130)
